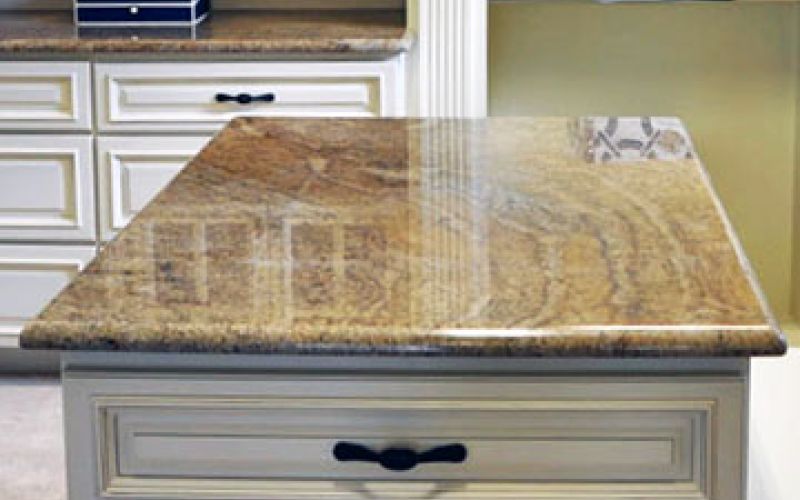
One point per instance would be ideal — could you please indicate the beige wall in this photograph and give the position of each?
(729, 70)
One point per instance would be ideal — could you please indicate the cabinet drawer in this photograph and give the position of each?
(147, 96)
(30, 276)
(46, 188)
(132, 170)
(179, 439)
(45, 95)
(211, 440)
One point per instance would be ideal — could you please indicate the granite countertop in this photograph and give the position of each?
(379, 33)
(496, 237)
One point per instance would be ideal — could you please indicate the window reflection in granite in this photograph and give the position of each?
(427, 235)
(352, 265)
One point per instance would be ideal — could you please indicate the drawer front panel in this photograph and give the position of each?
(46, 188)
(30, 276)
(132, 170)
(272, 437)
(519, 445)
(45, 96)
(147, 96)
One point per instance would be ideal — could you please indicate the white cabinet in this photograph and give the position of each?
(144, 120)
(45, 96)
(181, 97)
(132, 170)
(274, 436)
(46, 188)
(30, 275)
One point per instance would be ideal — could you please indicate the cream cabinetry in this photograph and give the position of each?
(45, 96)
(272, 435)
(46, 188)
(81, 155)
(132, 170)
(185, 96)
(30, 275)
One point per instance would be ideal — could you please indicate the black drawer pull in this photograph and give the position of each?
(244, 98)
(399, 459)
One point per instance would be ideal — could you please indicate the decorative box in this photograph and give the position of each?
(147, 13)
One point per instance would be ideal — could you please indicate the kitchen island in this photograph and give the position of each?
(456, 309)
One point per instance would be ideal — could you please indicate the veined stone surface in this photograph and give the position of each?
(498, 237)
(227, 32)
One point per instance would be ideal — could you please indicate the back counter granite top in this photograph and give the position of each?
(349, 33)
(513, 237)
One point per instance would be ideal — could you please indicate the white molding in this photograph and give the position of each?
(449, 70)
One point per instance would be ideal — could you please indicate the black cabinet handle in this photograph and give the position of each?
(244, 98)
(399, 459)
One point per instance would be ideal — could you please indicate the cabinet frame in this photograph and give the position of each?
(94, 380)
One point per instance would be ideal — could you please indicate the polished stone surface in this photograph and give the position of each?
(226, 32)
(497, 237)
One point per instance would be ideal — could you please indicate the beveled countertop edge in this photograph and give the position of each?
(377, 47)
(781, 339)
(626, 342)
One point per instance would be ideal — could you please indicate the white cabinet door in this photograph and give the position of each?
(132, 170)
(183, 96)
(31, 276)
(46, 188)
(45, 95)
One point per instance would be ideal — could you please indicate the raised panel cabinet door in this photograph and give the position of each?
(31, 276)
(46, 188)
(205, 96)
(131, 171)
(509, 442)
(45, 95)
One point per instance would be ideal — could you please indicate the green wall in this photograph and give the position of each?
(729, 70)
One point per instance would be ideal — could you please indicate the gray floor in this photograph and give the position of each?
(31, 439)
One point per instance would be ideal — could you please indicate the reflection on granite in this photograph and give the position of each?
(268, 32)
(438, 237)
